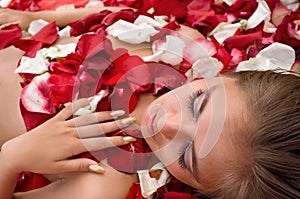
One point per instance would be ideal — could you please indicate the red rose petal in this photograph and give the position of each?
(242, 41)
(9, 34)
(47, 35)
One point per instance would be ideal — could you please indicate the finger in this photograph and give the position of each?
(68, 111)
(93, 144)
(94, 118)
(103, 128)
(80, 164)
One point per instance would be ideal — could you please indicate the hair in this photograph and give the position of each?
(270, 167)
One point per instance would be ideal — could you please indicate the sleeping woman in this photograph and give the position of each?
(232, 136)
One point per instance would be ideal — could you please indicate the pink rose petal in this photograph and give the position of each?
(199, 48)
(35, 96)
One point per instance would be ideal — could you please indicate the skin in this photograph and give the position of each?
(64, 185)
(174, 126)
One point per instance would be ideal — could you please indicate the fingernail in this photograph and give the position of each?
(117, 113)
(96, 169)
(129, 139)
(128, 120)
(90, 98)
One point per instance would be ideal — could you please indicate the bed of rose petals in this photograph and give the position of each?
(238, 35)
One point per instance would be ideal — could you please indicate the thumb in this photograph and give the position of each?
(80, 164)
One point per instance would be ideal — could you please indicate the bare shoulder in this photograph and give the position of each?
(112, 184)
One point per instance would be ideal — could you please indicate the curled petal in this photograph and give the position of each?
(170, 51)
(225, 30)
(93, 103)
(204, 68)
(199, 48)
(35, 95)
(261, 13)
(131, 33)
(275, 56)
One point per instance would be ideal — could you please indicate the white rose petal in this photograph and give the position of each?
(36, 65)
(65, 32)
(275, 56)
(4, 3)
(60, 50)
(261, 13)
(36, 25)
(148, 20)
(269, 27)
(93, 104)
(204, 68)
(290, 4)
(148, 184)
(225, 30)
(94, 4)
(131, 33)
(39, 64)
(33, 97)
(172, 50)
(199, 48)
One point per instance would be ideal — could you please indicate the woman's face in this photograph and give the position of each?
(188, 129)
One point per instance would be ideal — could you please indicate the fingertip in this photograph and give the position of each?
(96, 169)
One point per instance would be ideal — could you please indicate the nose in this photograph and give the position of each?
(169, 125)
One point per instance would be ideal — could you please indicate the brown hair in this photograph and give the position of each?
(271, 147)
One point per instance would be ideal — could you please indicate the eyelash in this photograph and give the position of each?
(192, 99)
(182, 154)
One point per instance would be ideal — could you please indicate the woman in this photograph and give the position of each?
(235, 152)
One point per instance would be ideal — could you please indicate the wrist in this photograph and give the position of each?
(8, 162)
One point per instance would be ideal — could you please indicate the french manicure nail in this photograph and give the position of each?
(96, 169)
(129, 139)
(117, 113)
(128, 120)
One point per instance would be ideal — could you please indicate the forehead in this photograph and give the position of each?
(216, 126)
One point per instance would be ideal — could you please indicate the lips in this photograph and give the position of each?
(150, 123)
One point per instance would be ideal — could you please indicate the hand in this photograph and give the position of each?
(47, 148)
(9, 16)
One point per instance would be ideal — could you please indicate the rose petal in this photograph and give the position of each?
(204, 68)
(36, 65)
(35, 96)
(261, 13)
(170, 51)
(199, 48)
(9, 34)
(225, 30)
(275, 56)
(293, 5)
(4, 3)
(36, 25)
(242, 41)
(47, 35)
(63, 88)
(93, 104)
(278, 14)
(131, 33)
